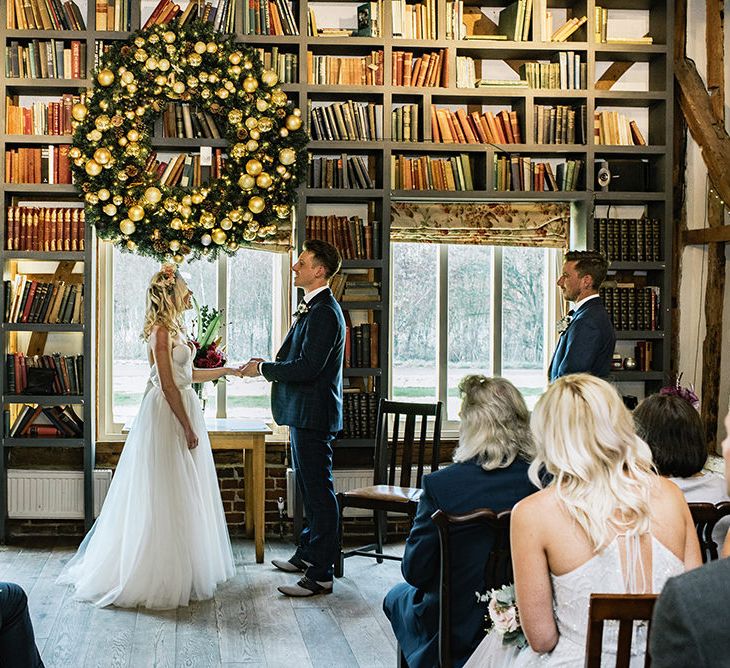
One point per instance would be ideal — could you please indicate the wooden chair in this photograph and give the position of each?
(705, 517)
(497, 570)
(390, 492)
(626, 608)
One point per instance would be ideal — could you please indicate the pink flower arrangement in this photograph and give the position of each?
(504, 615)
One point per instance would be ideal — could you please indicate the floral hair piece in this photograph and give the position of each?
(169, 275)
(686, 393)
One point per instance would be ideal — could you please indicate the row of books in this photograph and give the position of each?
(351, 287)
(113, 15)
(346, 121)
(449, 126)
(566, 72)
(286, 65)
(644, 355)
(427, 173)
(347, 171)
(627, 239)
(188, 121)
(369, 19)
(428, 70)
(560, 124)
(514, 21)
(44, 228)
(45, 59)
(40, 118)
(414, 21)
(612, 127)
(46, 164)
(187, 169)
(404, 123)
(61, 422)
(346, 70)
(515, 173)
(567, 29)
(601, 30)
(272, 17)
(68, 371)
(356, 238)
(220, 13)
(632, 308)
(29, 300)
(43, 15)
(359, 414)
(361, 344)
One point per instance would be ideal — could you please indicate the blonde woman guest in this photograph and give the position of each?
(489, 471)
(605, 523)
(161, 538)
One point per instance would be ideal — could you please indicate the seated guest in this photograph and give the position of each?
(604, 523)
(17, 643)
(690, 618)
(489, 471)
(672, 428)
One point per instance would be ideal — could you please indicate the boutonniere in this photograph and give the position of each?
(301, 311)
(564, 323)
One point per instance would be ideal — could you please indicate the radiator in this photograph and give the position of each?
(345, 480)
(53, 494)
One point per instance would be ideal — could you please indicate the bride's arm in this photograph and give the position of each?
(162, 351)
(533, 588)
(204, 375)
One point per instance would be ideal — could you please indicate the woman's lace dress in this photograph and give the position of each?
(571, 595)
(161, 538)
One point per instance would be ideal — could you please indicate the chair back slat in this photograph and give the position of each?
(625, 608)
(393, 448)
(422, 451)
(406, 458)
(705, 517)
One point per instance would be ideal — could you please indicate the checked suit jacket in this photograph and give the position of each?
(587, 345)
(306, 375)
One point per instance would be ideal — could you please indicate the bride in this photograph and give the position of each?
(161, 538)
(605, 523)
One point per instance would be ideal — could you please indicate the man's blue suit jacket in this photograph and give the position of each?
(459, 488)
(587, 345)
(306, 377)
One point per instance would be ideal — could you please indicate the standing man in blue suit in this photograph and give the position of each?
(588, 342)
(306, 395)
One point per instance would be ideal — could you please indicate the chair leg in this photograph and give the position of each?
(340, 558)
(380, 530)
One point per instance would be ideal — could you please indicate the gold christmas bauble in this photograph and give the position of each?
(196, 198)
(122, 176)
(195, 59)
(153, 195)
(222, 93)
(109, 209)
(79, 111)
(127, 77)
(92, 198)
(251, 122)
(168, 37)
(131, 245)
(254, 167)
(118, 199)
(102, 122)
(206, 239)
(234, 58)
(163, 65)
(235, 71)
(283, 132)
(248, 235)
(122, 141)
(235, 215)
(226, 224)
(248, 216)
(133, 135)
(278, 98)
(255, 134)
(174, 245)
(250, 84)
(104, 194)
(199, 47)
(265, 124)
(297, 112)
(176, 223)
(246, 182)
(102, 155)
(135, 213)
(93, 168)
(235, 116)
(282, 211)
(207, 219)
(160, 79)
(287, 156)
(132, 88)
(127, 227)
(251, 145)
(269, 78)
(171, 205)
(233, 245)
(263, 180)
(185, 211)
(105, 77)
(74, 152)
(211, 47)
(151, 63)
(178, 87)
(262, 105)
(293, 122)
(187, 200)
(219, 236)
(256, 204)
(178, 258)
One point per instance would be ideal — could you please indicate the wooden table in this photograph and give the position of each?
(250, 437)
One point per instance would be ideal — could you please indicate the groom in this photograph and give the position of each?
(306, 395)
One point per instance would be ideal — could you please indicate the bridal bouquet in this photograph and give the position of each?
(208, 352)
(504, 615)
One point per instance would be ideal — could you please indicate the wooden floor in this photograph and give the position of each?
(247, 624)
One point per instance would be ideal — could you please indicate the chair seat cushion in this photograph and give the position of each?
(390, 493)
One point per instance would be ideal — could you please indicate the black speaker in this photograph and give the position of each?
(629, 175)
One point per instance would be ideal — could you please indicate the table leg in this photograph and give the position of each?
(248, 485)
(259, 488)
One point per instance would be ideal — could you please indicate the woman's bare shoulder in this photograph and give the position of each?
(533, 506)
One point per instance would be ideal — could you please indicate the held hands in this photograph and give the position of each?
(251, 368)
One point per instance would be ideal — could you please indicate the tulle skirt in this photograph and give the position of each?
(161, 538)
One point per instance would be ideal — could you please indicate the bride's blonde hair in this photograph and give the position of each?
(165, 302)
(602, 471)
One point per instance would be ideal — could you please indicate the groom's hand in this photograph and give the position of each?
(251, 368)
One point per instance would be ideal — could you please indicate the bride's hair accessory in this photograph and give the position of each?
(168, 275)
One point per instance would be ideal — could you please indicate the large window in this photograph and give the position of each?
(251, 288)
(459, 310)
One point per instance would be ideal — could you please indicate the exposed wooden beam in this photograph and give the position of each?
(706, 235)
(716, 57)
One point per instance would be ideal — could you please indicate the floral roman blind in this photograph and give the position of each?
(544, 224)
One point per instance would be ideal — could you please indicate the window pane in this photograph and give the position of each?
(253, 296)
(523, 308)
(469, 318)
(415, 306)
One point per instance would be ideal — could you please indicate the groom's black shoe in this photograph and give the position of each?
(306, 587)
(293, 565)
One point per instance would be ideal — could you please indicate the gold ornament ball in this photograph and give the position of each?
(251, 122)
(280, 169)
(153, 195)
(255, 134)
(160, 79)
(234, 58)
(109, 209)
(213, 77)
(151, 63)
(185, 211)
(269, 78)
(102, 122)
(79, 162)
(287, 156)
(219, 236)
(127, 77)
(93, 168)
(79, 111)
(105, 77)
(178, 87)
(133, 135)
(199, 47)
(178, 258)
(195, 59)
(211, 47)
(206, 240)
(74, 152)
(297, 112)
(293, 122)
(187, 200)
(127, 227)
(235, 215)
(284, 132)
(222, 93)
(122, 141)
(254, 167)
(235, 116)
(132, 88)
(207, 219)
(250, 84)
(233, 245)
(102, 155)
(247, 216)
(248, 235)
(92, 198)
(235, 71)
(263, 180)
(122, 176)
(226, 224)
(278, 98)
(104, 194)
(282, 211)
(168, 37)
(262, 105)
(171, 204)
(251, 145)
(135, 212)
(163, 65)
(174, 245)
(246, 182)
(196, 198)
(265, 124)
(247, 64)
(176, 224)
(131, 245)
(256, 204)
(118, 199)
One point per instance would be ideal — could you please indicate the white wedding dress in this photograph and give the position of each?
(571, 595)
(161, 538)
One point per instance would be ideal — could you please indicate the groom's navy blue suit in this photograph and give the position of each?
(587, 345)
(306, 395)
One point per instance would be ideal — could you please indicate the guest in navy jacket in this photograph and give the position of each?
(489, 471)
(586, 346)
